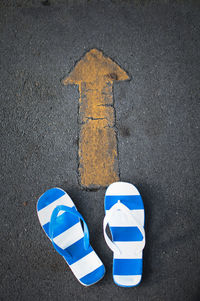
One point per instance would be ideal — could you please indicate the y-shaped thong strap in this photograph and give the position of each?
(53, 224)
(121, 207)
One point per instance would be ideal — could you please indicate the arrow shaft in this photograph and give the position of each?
(97, 143)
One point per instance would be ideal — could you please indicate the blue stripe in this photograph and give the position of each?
(133, 202)
(49, 197)
(77, 251)
(63, 222)
(94, 276)
(127, 267)
(126, 234)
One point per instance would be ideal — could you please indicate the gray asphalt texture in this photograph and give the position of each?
(157, 124)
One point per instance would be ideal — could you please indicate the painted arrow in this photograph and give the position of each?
(95, 75)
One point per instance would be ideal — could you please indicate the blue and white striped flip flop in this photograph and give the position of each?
(124, 213)
(60, 220)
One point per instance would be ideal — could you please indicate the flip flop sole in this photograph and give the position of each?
(127, 266)
(68, 235)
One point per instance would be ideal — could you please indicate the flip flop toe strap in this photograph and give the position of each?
(121, 207)
(53, 224)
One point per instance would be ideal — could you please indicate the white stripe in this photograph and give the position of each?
(128, 250)
(120, 219)
(44, 214)
(69, 237)
(127, 280)
(86, 265)
(122, 188)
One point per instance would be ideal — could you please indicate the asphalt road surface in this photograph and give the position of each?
(157, 126)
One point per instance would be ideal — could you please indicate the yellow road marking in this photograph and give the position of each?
(98, 160)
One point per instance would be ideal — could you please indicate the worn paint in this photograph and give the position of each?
(95, 74)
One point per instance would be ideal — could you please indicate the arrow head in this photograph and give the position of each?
(95, 67)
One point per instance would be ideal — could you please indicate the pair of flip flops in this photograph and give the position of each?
(124, 213)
